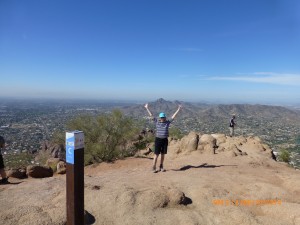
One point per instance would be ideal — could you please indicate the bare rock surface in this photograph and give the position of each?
(197, 188)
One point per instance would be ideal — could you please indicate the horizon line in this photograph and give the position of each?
(140, 101)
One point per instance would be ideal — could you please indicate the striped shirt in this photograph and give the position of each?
(162, 128)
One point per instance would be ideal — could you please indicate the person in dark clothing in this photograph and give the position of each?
(4, 179)
(231, 125)
(161, 137)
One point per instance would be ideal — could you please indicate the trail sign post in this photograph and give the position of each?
(75, 177)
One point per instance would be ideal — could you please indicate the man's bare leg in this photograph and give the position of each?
(161, 167)
(154, 163)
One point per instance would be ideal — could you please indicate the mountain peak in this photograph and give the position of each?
(161, 100)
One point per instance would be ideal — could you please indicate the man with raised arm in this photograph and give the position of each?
(161, 138)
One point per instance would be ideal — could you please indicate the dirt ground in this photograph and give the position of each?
(217, 189)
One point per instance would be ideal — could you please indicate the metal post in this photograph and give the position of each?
(75, 177)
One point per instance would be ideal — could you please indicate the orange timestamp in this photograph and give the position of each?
(246, 202)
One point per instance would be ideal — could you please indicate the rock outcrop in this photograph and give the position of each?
(17, 173)
(218, 144)
(39, 171)
(239, 184)
(52, 150)
(207, 144)
(61, 167)
(189, 143)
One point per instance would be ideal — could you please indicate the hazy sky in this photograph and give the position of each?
(216, 50)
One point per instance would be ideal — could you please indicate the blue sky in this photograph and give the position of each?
(193, 50)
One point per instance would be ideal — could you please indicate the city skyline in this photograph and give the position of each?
(223, 51)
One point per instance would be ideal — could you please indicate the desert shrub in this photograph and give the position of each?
(53, 166)
(18, 160)
(284, 156)
(107, 136)
(59, 137)
(175, 133)
(42, 157)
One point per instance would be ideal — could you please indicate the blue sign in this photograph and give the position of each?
(70, 144)
(74, 140)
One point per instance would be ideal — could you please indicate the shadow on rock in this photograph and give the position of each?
(11, 183)
(204, 165)
(89, 218)
(187, 201)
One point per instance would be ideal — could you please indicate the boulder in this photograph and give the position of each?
(17, 173)
(174, 147)
(220, 138)
(176, 197)
(190, 142)
(147, 152)
(39, 171)
(52, 162)
(61, 167)
(207, 144)
(158, 197)
(233, 150)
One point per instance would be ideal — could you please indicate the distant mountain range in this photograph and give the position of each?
(209, 112)
(165, 106)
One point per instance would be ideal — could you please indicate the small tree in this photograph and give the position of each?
(106, 136)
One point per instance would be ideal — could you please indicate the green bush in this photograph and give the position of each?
(107, 136)
(175, 133)
(17, 160)
(284, 156)
(59, 137)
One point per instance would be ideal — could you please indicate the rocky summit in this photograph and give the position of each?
(210, 179)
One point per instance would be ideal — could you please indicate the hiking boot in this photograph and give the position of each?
(161, 168)
(4, 181)
(154, 169)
